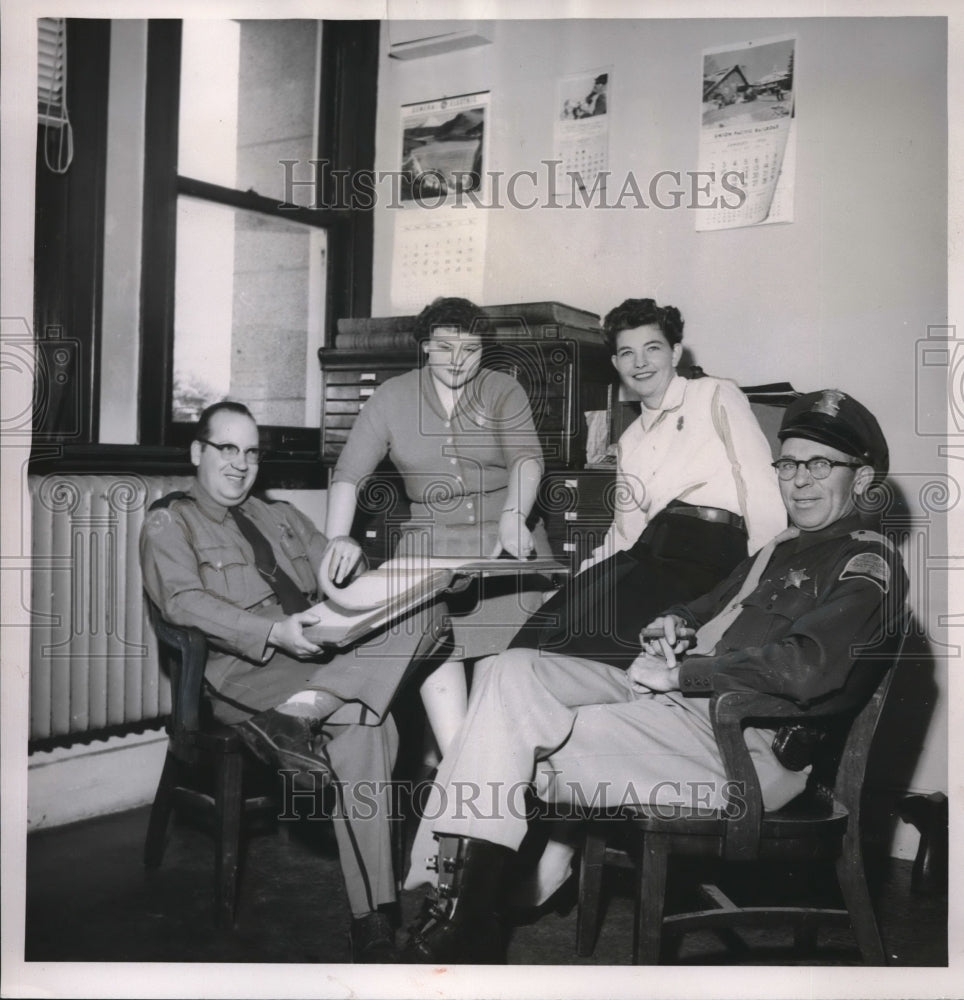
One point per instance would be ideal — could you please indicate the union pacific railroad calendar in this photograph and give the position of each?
(747, 134)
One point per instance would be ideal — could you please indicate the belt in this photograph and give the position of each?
(717, 515)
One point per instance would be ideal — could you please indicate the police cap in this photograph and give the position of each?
(831, 417)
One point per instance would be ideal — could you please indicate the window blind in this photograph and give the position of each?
(52, 93)
(51, 70)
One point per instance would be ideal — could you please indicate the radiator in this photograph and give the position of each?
(93, 657)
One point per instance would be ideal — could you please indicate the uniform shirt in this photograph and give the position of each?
(702, 446)
(455, 468)
(200, 571)
(823, 596)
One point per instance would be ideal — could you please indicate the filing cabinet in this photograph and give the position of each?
(348, 379)
(563, 378)
(577, 508)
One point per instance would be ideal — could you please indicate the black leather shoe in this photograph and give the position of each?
(373, 940)
(286, 742)
(462, 925)
(440, 940)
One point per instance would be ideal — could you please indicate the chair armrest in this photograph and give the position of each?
(729, 712)
(190, 647)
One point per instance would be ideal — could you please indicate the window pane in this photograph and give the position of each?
(248, 101)
(248, 314)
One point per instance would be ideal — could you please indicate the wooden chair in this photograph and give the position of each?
(208, 769)
(204, 770)
(821, 823)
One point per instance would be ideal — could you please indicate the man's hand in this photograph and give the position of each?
(288, 635)
(654, 673)
(676, 636)
(514, 536)
(344, 553)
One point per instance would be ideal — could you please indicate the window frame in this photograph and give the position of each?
(346, 141)
(68, 284)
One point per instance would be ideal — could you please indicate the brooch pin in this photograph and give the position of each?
(679, 424)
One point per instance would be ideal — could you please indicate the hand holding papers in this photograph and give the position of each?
(378, 597)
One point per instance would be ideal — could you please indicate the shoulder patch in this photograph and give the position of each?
(868, 566)
(164, 502)
(157, 520)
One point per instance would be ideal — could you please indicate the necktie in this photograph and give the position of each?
(710, 634)
(289, 593)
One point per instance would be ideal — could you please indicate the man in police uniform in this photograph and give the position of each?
(787, 622)
(244, 572)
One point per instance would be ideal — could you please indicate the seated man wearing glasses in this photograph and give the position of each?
(790, 622)
(244, 572)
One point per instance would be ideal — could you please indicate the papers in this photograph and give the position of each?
(399, 586)
(339, 625)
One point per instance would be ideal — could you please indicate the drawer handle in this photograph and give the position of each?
(371, 534)
(368, 377)
(366, 391)
(568, 546)
(571, 515)
(573, 484)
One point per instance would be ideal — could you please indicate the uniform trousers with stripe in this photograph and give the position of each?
(576, 732)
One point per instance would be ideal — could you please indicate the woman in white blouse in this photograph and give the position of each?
(694, 495)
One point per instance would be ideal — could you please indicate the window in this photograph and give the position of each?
(248, 286)
(239, 285)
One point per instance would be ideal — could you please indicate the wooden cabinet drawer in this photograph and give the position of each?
(577, 510)
(353, 391)
(351, 376)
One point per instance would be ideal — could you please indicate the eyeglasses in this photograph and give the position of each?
(819, 468)
(252, 456)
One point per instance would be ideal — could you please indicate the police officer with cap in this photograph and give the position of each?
(788, 622)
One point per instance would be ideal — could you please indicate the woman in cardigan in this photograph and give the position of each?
(463, 439)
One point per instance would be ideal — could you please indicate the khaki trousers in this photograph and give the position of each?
(576, 731)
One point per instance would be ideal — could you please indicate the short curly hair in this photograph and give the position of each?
(643, 312)
(450, 312)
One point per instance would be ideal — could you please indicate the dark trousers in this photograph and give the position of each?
(598, 614)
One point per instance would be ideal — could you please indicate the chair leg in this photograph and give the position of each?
(156, 839)
(228, 806)
(590, 890)
(397, 830)
(853, 885)
(650, 899)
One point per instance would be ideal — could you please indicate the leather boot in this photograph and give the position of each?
(461, 925)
